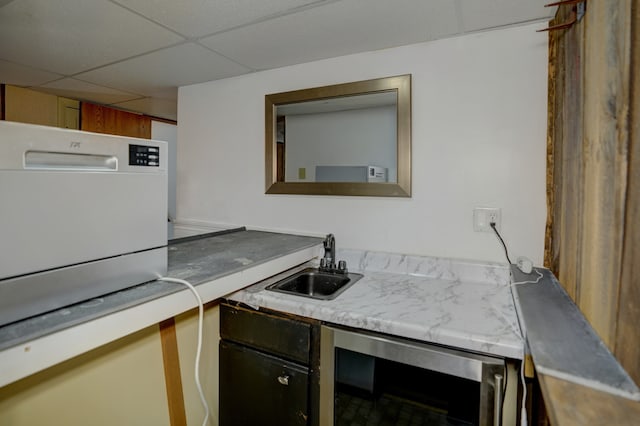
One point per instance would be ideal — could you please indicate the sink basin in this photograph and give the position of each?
(316, 284)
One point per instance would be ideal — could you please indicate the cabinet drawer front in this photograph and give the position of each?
(286, 337)
(259, 389)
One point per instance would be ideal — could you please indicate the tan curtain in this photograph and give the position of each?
(593, 231)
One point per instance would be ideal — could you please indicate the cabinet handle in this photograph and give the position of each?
(283, 380)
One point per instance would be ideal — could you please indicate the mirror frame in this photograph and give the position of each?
(402, 188)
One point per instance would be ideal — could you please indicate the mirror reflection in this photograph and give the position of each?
(346, 139)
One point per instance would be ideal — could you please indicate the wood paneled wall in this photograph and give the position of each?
(102, 119)
(593, 241)
(627, 344)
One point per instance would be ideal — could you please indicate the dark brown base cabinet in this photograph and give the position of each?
(268, 369)
(270, 375)
(252, 392)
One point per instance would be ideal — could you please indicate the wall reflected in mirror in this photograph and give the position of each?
(346, 139)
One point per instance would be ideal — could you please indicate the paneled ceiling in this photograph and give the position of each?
(134, 54)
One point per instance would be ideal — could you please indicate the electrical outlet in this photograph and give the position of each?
(484, 216)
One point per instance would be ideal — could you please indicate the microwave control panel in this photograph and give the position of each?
(144, 155)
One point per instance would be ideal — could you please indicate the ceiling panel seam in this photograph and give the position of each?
(271, 17)
(153, 21)
(131, 57)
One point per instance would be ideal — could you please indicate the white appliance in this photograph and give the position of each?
(351, 174)
(81, 215)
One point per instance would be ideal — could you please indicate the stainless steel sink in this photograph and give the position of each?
(316, 284)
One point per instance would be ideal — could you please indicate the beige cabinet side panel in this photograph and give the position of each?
(187, 333)
(68, 113)
(28, 106)
(121, 383)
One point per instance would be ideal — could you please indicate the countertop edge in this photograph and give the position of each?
(37, 354)
(562, 342)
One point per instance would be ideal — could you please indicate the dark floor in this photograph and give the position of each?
(388, 410)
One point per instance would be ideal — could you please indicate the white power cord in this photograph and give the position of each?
(199, 347)
(523, 410)
(530, 282)
(525, 265)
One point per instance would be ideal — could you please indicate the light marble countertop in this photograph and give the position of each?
(466, 305)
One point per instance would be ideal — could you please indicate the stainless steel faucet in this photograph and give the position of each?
(330, 251)
(328, 262)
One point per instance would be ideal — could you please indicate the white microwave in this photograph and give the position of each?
(82, 215)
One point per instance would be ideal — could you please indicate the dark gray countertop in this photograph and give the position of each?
(561, 340)
(197, 259)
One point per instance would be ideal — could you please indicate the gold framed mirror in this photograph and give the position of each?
(345, 139)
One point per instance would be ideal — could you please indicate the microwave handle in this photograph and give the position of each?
(498, 382)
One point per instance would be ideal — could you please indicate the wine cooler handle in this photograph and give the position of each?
(498, 393)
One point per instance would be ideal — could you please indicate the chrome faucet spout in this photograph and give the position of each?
(330, 250)
(329, 263)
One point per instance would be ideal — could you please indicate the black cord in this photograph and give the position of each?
(504, 388)
(493, 226)
(506, 368)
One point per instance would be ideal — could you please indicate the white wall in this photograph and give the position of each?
(168, 133)
(478, 134)
(361, 137)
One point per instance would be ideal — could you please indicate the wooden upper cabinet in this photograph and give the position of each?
(102, 119)
(28, 106)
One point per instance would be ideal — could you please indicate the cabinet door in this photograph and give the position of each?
(259, 389)
(282, 337)
(102, 119)
(28, 106)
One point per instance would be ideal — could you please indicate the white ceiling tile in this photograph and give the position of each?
(336, 29)
(196, 18)
(163, 108)
(483, 14)
(165, 69)
(20, 75)
(75, 89)
(134, 46)
(69, 36)
(168, 94)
